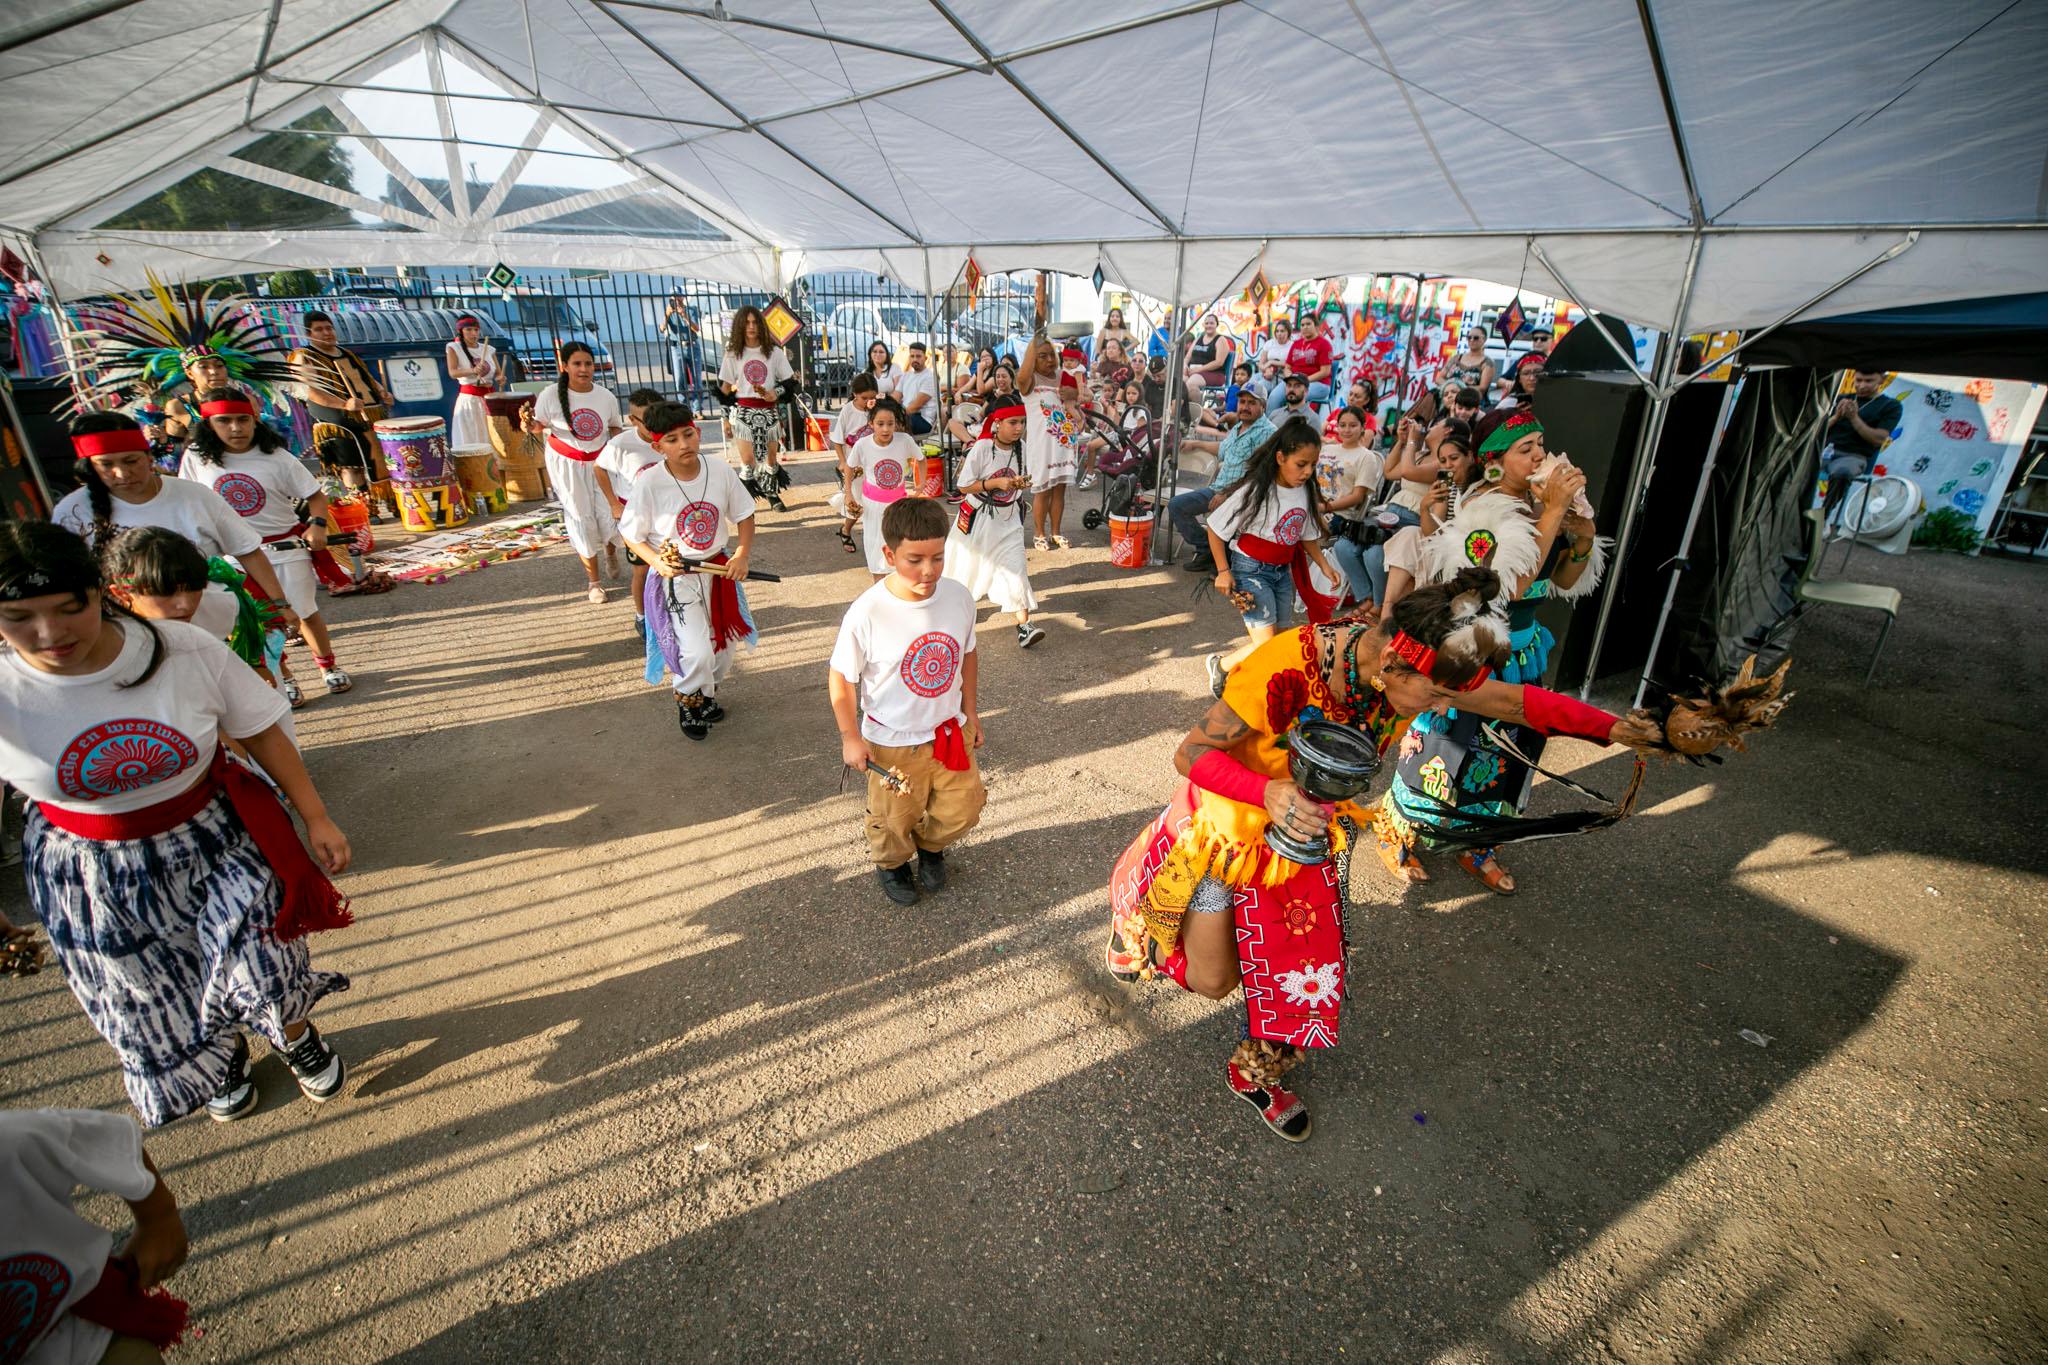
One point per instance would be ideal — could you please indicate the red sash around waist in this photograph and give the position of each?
(1264, 550)
(569, 452)
(1320, 608)
(756, 403)
(476, 390)
(311, 902)
(727, 624)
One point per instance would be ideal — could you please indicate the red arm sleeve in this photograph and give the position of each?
(1556, 714)
(1218, 772)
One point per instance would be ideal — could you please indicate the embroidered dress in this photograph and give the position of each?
(1051, 442)
(1205, 850)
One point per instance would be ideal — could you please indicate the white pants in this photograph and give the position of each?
(586, 516)
(689, 611)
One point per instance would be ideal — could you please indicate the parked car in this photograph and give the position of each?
(1001, 322)
(534, 323)
(855, 326)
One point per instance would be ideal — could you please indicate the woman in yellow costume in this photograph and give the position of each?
(1199, 897)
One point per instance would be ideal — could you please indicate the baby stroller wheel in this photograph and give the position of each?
(1092, 519)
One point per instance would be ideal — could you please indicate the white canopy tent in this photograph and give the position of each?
(1723, 159)
(1690, 165)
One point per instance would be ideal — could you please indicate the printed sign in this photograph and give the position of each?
(414, 378)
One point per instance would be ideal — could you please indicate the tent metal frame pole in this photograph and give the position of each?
(1167, 485)
(1644, 463)
(1680, 562)
(1572, 297)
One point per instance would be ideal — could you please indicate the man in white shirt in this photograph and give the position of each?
(918, 391)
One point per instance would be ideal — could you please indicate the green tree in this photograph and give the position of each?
(293, 284)
(211, 200)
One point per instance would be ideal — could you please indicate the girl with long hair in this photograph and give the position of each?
(752, 378)
(882, 460)
(120, 486)
(1526, 518)
(985, 549)
(251, 467)
(577, 419)
(1114, 328)
(173, 886)
(1269, 527)
(1200, 898)
(473, 364)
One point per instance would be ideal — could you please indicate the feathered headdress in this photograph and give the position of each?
(1489, 531)
(142, 342)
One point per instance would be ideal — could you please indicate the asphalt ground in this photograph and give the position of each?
(644, 1067)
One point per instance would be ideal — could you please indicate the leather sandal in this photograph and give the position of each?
(1486, 869)
(1400, 862)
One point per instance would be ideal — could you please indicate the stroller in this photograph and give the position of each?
(1128, 467)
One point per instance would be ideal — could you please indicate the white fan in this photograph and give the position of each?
(1880, 512)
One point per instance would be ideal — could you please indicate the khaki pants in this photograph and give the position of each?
(940, 806)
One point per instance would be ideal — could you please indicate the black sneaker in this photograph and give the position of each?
(1028, 635)
(691, 719)
(931, 870)
(1201, 563)
(319, 1069)
(897, 884)
(237, 1093)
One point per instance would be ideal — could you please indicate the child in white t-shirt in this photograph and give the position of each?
(65, 1282)
(675, 521)
(575, 418)
(1266, 533)
(903, 687)
(885, 461)
(854, 420)
(618, 464)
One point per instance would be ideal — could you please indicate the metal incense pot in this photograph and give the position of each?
(1328, 763)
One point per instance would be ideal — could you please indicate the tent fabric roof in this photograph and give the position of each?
(1583, 147)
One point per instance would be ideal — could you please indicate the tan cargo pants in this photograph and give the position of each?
(940, 806)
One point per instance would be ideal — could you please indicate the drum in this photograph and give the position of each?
(520, 466)
(431, 507)
(479, 475)
(416, 448)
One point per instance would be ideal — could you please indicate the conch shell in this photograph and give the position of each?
(1697, 726)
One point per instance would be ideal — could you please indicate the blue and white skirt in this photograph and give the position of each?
(168, 943)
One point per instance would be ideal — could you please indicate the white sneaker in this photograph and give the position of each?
(596, 595)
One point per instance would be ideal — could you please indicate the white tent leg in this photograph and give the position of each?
(1692, 521)
(1167, 484)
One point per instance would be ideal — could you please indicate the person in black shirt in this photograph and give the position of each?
(1859, 428)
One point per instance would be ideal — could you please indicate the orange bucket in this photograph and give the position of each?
(817, 434)
(931, 474)
(1130, 541)
(350, 516)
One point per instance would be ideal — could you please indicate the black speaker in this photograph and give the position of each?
(1597, 419)
(49, 443)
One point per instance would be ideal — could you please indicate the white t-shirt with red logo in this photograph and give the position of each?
(1282, 519)
(191, 509)
(850, 424)
(590, 421)
(753, 367)
(54, 1257)
(905, 659)
(86, 743)
(262, 489)
(623, 458)
(987, 460)
(883, 467)
(691, 512)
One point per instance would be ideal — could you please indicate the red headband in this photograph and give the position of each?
(1074, 353)
(110, 442)
(1422, 659)
(227, 407)
(1010, 408)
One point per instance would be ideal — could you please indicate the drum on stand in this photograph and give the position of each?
(416, 449)
(520, 467)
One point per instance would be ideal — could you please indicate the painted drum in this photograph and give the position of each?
(416, 448)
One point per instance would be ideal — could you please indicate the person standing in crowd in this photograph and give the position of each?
(1051, 442)
(1861, 424)
(576, 418)
(905, 695)
(1114, 328)
(1232, 458)
(1312, 357)
(255, 473)
(1199, 897)
(172, 884)
(1209, 357)
(473, 364)
(1470, 368)
(120, 486)
(883, 461)
(624, 458)
(72, 1301)
(752, 378)
(918, 391)
(676, 522)
(342, 393)
(1264, 537)
(985, 550)
(685, 361)
(1540, 341)
(850, 426)
(1529, 520)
